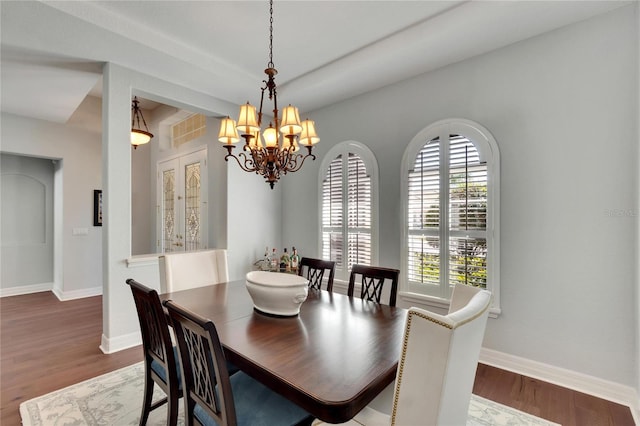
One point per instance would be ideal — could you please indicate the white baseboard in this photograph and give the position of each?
(25, 289)
(600, 388)
(77, 294)
(61, 295)
(119, 343)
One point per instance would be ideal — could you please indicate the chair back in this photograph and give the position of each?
(461, 296)
(204, 369)
(438, 362)
(191, 269)
(314, 270)
(156, 341)
(372, 281)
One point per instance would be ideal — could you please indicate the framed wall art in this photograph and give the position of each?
(97, 207)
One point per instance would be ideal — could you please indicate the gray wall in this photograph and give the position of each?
(562, 109)
(142, 200)
(77, 262)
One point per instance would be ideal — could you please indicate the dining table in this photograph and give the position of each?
(332, 359)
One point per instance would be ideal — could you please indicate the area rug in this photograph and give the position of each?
(115, 399)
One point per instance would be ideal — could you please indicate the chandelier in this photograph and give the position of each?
(278, 155)
(138, 136)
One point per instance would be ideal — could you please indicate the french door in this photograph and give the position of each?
(182, 203)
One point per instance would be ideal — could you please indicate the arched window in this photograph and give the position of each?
(348, 191)
(451, 188)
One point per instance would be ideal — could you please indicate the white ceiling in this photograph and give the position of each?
(325, 51)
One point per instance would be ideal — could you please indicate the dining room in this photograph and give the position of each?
(564, 213)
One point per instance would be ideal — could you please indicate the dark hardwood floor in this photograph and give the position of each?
(560, 405)
(46, 345)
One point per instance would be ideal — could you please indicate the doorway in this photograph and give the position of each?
(182, 203)
(27, 249)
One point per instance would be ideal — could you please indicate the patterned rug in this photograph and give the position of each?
(115, 399)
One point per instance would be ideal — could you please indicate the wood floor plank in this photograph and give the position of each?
(548, 401)
(46, 345)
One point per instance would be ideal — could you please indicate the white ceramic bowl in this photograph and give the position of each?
(276, 293)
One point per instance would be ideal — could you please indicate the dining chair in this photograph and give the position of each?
(437, 367)
(160, 356)
(372, 281)
(211, 396)
(192, 269)
(314, 270)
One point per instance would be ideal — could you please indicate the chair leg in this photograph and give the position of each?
(172, 411)
(148, 396)
(188, 404)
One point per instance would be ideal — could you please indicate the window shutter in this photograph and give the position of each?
(424, 215)
(347, 212)
(332, 223)
(468, 186)
(359, 212)
(457, 254)
(467, 214)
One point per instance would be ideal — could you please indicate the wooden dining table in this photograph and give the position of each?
(332, 359)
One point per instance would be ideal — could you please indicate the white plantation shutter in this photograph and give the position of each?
(347, 209)
(424, 216)
(468, 214)
(332, 212)
(358, 212)
(448, 211)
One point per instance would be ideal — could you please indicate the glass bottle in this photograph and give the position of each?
(266, 263)
(274, 260)
(285, 266)
(295, 260)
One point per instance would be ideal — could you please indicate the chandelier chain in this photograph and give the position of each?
(270, 64)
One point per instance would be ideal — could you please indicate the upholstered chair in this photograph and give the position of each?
(315, 269)
(211, 396)
(191, 269)
(437, 366)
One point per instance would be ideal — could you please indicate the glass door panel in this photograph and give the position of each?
(182, 212)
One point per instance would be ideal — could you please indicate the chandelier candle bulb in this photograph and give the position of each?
(228, 134)
(308, 136)
(287, 145)
(247, 122)
(290, 121)
(270, 137)
(255, 142)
